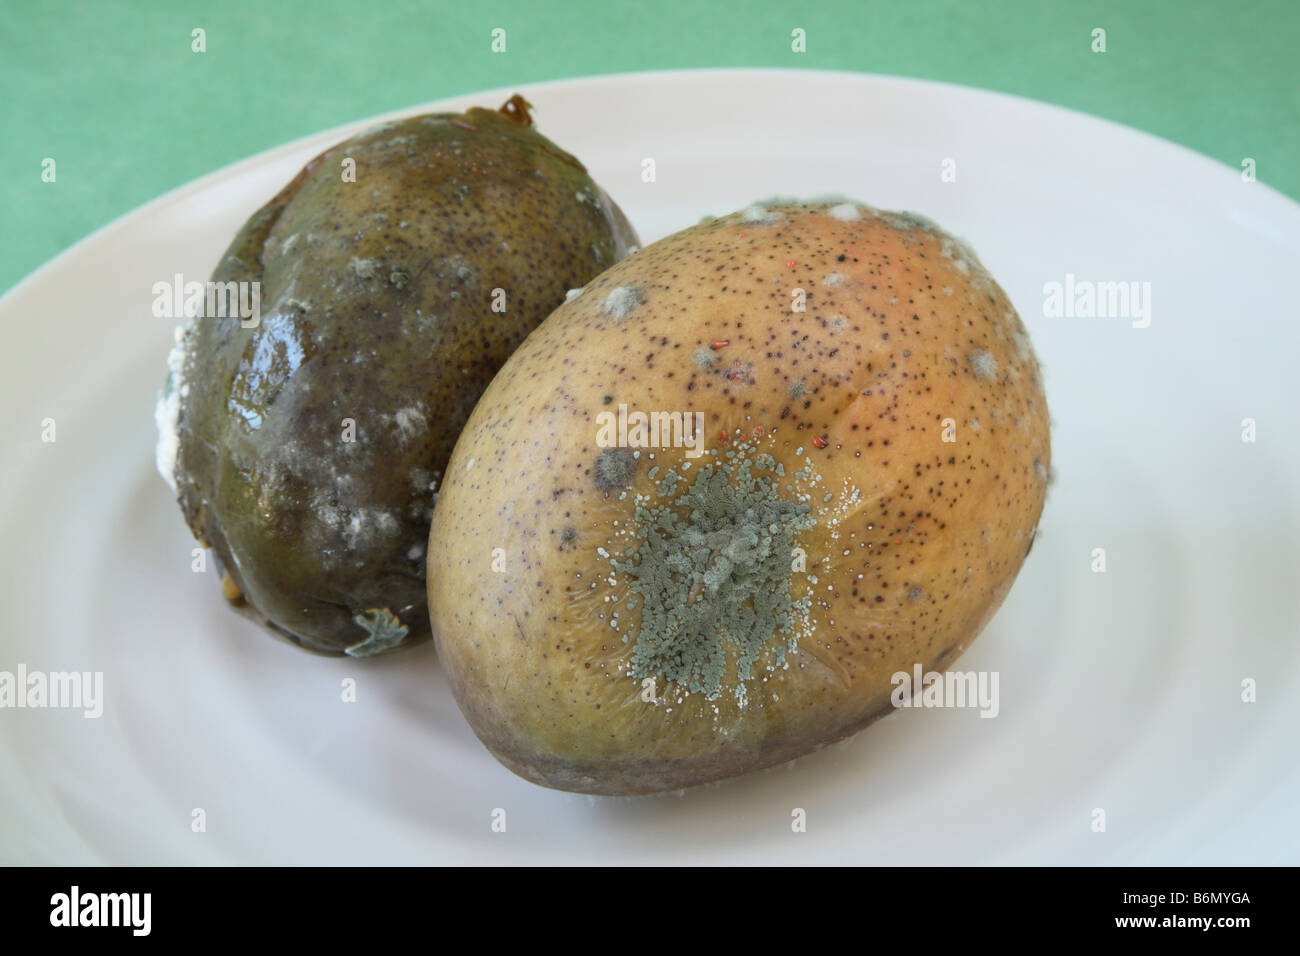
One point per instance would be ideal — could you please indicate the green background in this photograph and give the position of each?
(112, 91)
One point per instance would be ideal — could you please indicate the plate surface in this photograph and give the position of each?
(1119, 690)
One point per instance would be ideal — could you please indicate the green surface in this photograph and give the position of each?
(112, 91)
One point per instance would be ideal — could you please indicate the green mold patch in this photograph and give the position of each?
(384, 629)
(711, 567)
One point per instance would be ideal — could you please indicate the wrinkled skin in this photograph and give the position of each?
(919, 528)
(310, 447)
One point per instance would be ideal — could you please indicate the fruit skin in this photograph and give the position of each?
(377, 310)
(903, 330)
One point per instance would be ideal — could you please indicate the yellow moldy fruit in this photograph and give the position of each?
(624, 604)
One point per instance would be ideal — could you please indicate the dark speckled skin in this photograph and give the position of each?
(918, 536)
(377, 307)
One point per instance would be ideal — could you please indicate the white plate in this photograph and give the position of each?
(1119, 690)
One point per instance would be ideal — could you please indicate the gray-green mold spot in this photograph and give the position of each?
(712, 572)
(614, 468)
(905, 220)
(759, 214)
(622, 300)
(364, 268)
(385, 631)
(668, 483)
(983, 364)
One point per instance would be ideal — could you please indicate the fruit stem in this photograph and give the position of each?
(516, 108)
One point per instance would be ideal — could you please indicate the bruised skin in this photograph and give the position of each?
(310, 447)
(910, 542)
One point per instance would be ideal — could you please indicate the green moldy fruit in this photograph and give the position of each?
(397, 272)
